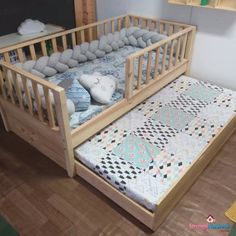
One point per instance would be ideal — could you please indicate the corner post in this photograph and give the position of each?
(63, 123)
(189, 48)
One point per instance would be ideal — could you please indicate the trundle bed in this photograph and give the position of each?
(139, 160)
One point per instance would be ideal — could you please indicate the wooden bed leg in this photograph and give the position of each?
(4, 119)
(63, 123)
(189, 48)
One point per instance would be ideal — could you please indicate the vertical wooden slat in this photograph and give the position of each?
(73, 39)
(112, 26)
(171, 54)
(20, 55)
(149, 65)
(27, 95)
(82, 36)
(49, 107)
(119, 24)
(127, 21)
(163, 68)
(135, 21)
(152, 25)
(9, 85)
(64, 42)
(105, 28)
(144, 24)
(32, 52)
(90, 34)
(129, 78)
(54, 45)
(38, 100)
(18, 89)
(44, 48)
(7, 57)
(161, 28)
(183, 47)
(177, 51)
(155, 25)
(132, 20)
(157, 61)
(170, 29)
(2, 86)
(98, 31)
(140, 71)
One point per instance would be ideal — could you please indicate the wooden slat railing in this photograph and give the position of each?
(63, 40)
(168, 54)
(24, 90)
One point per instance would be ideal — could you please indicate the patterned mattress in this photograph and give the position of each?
(143, 153)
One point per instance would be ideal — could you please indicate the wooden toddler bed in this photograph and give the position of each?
(52, 135)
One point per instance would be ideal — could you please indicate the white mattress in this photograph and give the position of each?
(143, 153)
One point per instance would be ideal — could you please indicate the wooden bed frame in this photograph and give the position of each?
(53, 136)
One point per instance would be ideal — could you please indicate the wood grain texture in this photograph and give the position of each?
(38, 198)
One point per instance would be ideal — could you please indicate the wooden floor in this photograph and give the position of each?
(37, 198)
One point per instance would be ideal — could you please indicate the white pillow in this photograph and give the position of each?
(101, 87)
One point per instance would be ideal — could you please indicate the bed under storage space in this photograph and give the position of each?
(148, 158)
(159, 131)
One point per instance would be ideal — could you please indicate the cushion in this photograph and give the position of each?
(61, 67)
(66, 56)
(70, 107)
(101, 87)
(41, 63)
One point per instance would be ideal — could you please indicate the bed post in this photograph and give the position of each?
(63, 123)
(127, 21)
(189, 48)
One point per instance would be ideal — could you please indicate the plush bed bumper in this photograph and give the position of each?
(147, 150)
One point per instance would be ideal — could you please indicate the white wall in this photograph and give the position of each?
(214, 56)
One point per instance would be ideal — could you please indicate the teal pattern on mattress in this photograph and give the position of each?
(147, 150)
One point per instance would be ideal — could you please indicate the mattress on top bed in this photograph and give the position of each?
(111, 64)
(143, 153)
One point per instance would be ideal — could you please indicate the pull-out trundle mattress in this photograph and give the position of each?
(147, 151)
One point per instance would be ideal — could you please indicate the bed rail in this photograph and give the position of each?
(41, 103)
(169, 53)
(161, 26)
(23, 90)
(45, 46)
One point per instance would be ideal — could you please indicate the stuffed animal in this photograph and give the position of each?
(101, 87)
